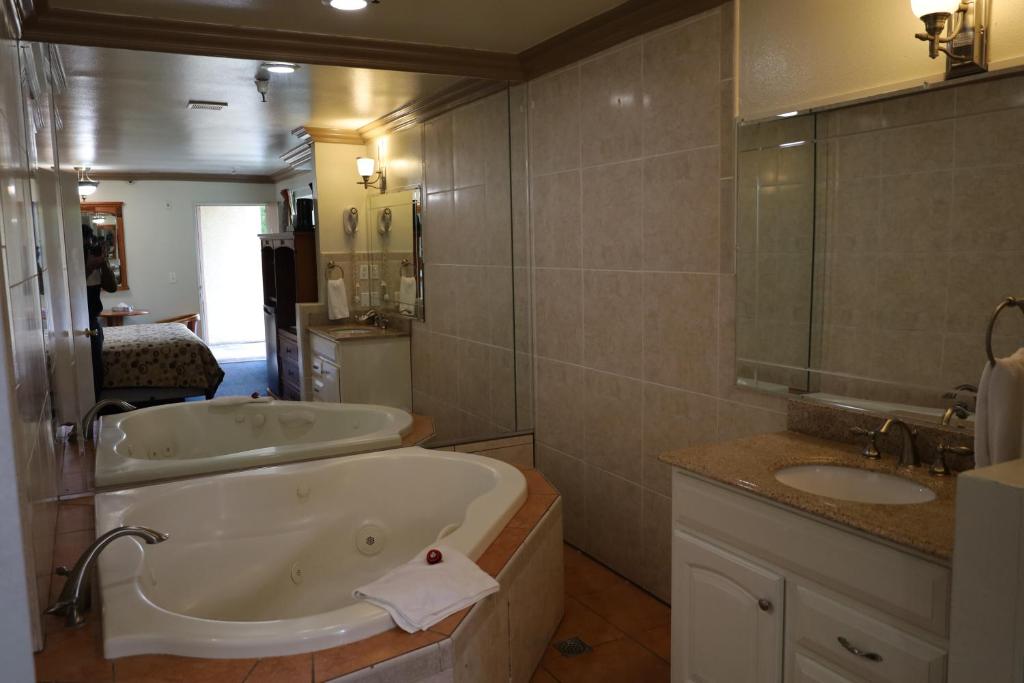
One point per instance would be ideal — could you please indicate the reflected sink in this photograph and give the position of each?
(853, 484)
(346, 331)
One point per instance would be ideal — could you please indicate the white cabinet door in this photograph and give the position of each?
(726, 616)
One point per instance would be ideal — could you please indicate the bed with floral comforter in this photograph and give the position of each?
(159, 356)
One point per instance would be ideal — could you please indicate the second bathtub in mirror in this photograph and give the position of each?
(187, 439)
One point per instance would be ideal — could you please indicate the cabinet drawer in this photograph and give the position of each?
(857, 642)
(288, 348)
(290, 372)
(292, 392)
(323, 347)
(807, 670)
(895, 582)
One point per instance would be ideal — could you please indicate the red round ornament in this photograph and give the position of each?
(433, 556)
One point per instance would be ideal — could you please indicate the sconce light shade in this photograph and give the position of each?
(365, 166)
(922, 8)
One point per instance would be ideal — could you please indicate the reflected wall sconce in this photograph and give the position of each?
(86, 185)
(956, 29)
(371, 176)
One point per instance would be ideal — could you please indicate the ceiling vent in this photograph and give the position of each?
(204, 104)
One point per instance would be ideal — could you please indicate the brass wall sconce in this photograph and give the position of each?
(366, 166)
(965, 26)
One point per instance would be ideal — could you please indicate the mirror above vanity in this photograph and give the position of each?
(106, 219)
(874, 242)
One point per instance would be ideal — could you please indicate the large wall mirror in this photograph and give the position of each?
(107, 222)
(875, 241)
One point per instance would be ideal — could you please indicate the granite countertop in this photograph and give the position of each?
(750, 464)
(336, 333)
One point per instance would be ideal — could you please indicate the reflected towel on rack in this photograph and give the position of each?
(999, 420)
(407, 296)
(337, 299)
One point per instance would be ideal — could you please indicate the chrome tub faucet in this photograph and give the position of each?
(74, 598)
(90, 415)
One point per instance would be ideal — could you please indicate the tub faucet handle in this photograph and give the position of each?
(870, 449)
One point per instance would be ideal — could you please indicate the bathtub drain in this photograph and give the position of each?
(370, 539)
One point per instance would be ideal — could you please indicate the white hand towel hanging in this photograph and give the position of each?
(337, 299)
(418, 595)
(407, 295)
(999, 419)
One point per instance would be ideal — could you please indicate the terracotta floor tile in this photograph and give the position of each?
(294, 669)
(75, 518)
(582, 622)
(618, 661)
(542, 676)
(629, 608)
(658, 640)
(168, 669)
(583, 575)
(74, 655)
(338, 661)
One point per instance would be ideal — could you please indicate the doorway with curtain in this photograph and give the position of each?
(231, 292)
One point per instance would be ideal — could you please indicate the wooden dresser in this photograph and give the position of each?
(289, 278)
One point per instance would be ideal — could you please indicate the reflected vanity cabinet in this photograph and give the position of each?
(763, 594)
(289, 278)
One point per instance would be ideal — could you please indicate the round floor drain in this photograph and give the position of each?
(370, 539)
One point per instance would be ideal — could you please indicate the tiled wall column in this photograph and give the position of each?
(463, 358)
(631, 189)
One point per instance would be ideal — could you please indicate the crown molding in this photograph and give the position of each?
(40, 22)
(97, 29)
(427, 107)
(619, 24)
(131, 176)
(333, 135)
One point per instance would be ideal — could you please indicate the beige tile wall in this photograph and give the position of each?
(26, 161)
(922, 238)
(631, 160)
(464, 363)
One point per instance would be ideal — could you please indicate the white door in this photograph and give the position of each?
(726, 616)
(71, 219)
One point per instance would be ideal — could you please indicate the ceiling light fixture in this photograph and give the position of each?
(263, 87)
(350, 5)
(86, 185)
(787, 114)
(280, 67)
(964, 24)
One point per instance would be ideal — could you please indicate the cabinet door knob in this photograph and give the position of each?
(852, 649)
(764, 605)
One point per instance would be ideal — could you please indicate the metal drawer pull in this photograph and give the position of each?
(764, 605)
(852, 649)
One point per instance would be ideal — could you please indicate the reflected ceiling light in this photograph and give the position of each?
(964, 25)
(348, 5)
(280, 67)
(787, 114)
(365, 167)
(12, 190)
(795, 143)
(86, 185)
(98, 220)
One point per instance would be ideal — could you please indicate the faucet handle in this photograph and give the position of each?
(940, 466)
(870, 449)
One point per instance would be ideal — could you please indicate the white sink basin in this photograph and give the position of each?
(850, 483)
(349, 331)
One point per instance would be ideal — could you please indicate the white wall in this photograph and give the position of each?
(336, 192)
(795, 54)
(160, 238)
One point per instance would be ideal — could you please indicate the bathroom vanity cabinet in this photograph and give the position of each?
(374, 369)
(762, 593)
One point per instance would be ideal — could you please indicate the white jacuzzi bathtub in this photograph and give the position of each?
(228, 434)
(263, 562)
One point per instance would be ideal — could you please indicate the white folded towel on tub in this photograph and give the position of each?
(418, 595)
